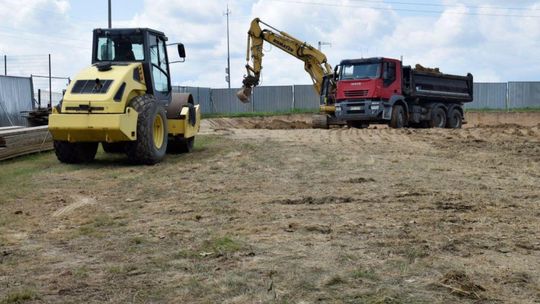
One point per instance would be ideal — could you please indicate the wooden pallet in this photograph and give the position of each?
(21, 141)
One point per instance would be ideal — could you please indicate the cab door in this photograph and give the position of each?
(159, 67)
(391, 78)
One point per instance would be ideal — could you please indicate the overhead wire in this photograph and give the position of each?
(449, 5)
(404, 9)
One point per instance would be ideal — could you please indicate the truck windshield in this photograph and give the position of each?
(120, 48)
(360, 71)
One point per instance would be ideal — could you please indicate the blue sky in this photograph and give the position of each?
(492, 39)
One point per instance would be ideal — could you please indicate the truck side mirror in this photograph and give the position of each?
(181, 50)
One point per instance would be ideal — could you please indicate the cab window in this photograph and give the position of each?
(120, 48)
(389, 74)
(158, 59)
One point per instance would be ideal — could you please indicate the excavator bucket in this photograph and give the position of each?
(244, 94)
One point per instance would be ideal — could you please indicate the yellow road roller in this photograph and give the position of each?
(125, 102)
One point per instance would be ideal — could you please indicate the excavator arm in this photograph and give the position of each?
(315, 62)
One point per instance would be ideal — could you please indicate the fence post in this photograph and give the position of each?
(507, 97)
(293, 106)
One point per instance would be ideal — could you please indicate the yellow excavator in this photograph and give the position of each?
(315, 64)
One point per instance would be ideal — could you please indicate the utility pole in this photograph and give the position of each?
(228, 70)
(110, 15)
(5, 65)
(321, 43)
(50, 82)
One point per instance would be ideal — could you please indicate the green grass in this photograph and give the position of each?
(362, 273)
(222, 245)
(20, 296)
(261, 114)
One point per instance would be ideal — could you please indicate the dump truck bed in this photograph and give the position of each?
(431, 85)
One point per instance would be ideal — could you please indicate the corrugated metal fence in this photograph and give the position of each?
(499, 96)
(15, 97)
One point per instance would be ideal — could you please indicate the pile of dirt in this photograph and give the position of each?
(284, 122)
(303, 121)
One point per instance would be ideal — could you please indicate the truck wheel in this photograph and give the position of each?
(398, 117)
(455, 120)
(438, 118)
(178, 145)
(319, 121)
(118, 147)
(151, 144)
(357, 124)
(75, 153)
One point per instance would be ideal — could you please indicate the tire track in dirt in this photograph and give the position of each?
(80, 201)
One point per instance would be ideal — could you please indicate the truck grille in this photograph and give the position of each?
(356, 93)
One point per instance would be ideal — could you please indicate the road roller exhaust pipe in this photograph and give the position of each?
(244, 94)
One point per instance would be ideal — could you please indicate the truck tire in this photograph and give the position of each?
(398, 119)
(357, 124)
(178, 145)
(319, 121)
(75, 153)
(454, 120)
(117, 147)
(438, 118)
(151, 144)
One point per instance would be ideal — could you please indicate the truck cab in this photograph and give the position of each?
(365, 87)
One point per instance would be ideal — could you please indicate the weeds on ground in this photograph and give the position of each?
(20, 296)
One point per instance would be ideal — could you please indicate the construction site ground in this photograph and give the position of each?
(266, 210)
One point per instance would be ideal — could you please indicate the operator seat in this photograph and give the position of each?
(124, 51)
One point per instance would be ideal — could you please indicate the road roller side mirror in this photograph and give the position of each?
(181, 50)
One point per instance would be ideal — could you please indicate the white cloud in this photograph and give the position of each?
(492, 48)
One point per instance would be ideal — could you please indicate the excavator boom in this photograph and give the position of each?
(315, 62)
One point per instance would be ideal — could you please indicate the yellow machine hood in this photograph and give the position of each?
(104, 89)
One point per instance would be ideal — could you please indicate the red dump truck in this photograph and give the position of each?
(382, 90)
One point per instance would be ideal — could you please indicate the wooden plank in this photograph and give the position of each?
(22, 131)
(11, 153)
(16, 142)
(10, 128)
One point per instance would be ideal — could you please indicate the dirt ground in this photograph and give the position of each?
(287, 215)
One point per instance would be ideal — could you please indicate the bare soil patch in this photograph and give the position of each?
(282, 216)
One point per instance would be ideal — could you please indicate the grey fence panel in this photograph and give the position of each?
(272, 99)
(15, 96)
(225, 101)
(489, 96)
(202, 96)
(305, 97)
(524, 94)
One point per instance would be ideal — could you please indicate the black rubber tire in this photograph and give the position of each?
(117, 147)
(178, 145)
(438, 118)
(357, 124)
(398, 119)
(75, 153)
(143, 150)
(454, 119)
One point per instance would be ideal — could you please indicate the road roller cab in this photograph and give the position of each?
(125, 101)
